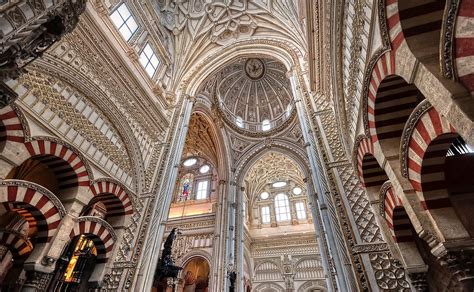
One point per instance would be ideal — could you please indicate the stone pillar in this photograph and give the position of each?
(231, 232)
(273, 221)
(152, 247)
(36, 281)
(294, 217)
(319, 203)
(240, 240)
(218, 267)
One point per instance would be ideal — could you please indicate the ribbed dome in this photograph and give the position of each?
(255, 89)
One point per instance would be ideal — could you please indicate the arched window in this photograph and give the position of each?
(185, 186)
(265, 214)
(282, 207)
(300, 210)
(202, 187)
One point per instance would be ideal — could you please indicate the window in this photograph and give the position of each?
(266, 125)
(186, 185)
(282, 207)
(288, 110)
(124, 21)
(149, 60)
(265, 214)
(297, 191)
(239, 122)
(204, 169)
(190, 162)
(264, 195)
(202, 190)
(300, 210)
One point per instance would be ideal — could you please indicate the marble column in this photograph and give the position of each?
(318, 200)
(155, 234)
(240, 240)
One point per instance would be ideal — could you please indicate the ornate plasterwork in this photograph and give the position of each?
(201, 139)
(221, 20)
(271, 167)
(265, 96)
(410, 125)
(45, 88)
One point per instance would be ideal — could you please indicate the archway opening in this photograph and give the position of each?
(277, 214)
(421, 23)
(17, 239)
(443, 183)
(394, 102)
(196, 275)
(76, 265)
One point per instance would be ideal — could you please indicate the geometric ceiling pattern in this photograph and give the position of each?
(254, 89)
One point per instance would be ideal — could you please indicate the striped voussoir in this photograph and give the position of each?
(394, 103)
(10, 126)
(397, 219)
(418, 18)
(115, 198)
(65, 164)
(370, 172)
(18, 244)
(101, 236)
(384, 67)
(464, 44)
(37, 209)
(429, 143)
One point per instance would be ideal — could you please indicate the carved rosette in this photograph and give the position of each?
(389, 273)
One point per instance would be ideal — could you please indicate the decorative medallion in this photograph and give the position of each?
(254, 68)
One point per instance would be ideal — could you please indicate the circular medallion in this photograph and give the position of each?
(254, 68)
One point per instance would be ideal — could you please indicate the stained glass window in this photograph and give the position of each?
(186, 185)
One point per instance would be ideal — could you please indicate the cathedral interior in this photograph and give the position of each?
(237, 145)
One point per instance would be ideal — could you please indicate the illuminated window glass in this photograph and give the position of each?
(266, 125)
(202, 190)
(282, 207)
(300, 210)
(149, 60)
(265, 215)
(124, 21)
(186, 185)
(239, 122)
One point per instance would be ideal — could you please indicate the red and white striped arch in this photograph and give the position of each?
(464, 44)
(418, 17)
(428, 144)
(65, 163)
(35, 204)
(99, 232)
(368, 168)
(384, 67)
(10, 126)
(18, 245)
(113, 196)
(397, 219)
